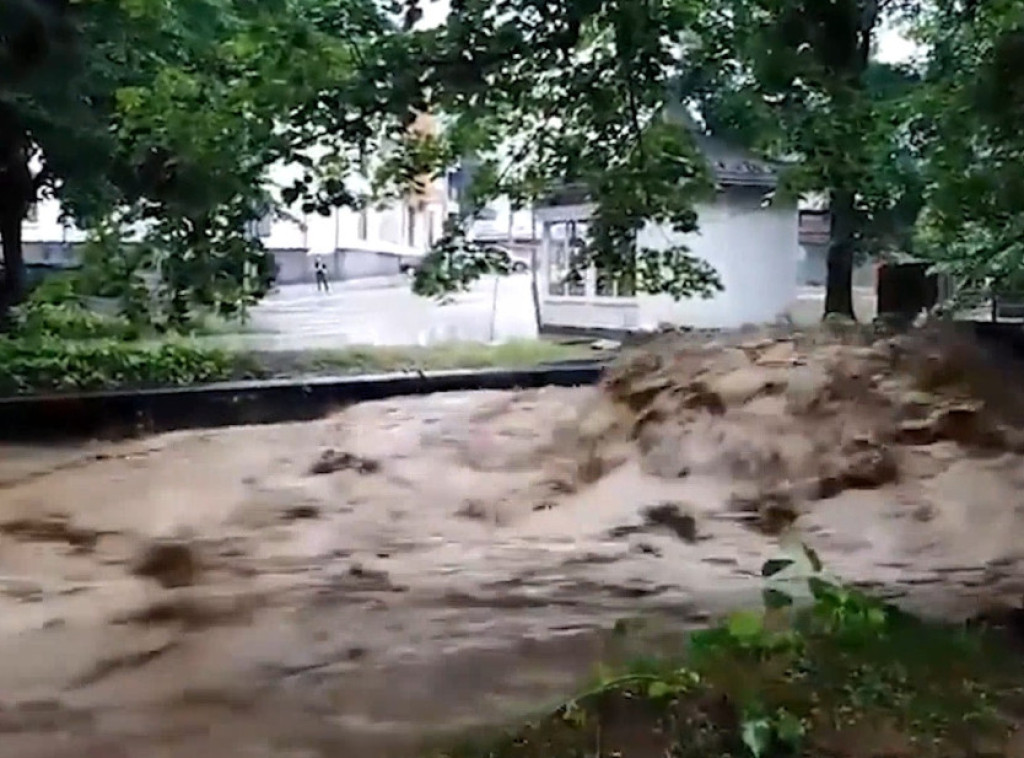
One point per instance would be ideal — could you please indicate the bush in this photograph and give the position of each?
(58, 289)
(56, 308)
(833, 672)
(42, 365)
(71, 321)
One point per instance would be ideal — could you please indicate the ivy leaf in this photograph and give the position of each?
(775, 599)
(788, 728)
(812, 557)
(745, 625)
(757, 736)
(774, 566)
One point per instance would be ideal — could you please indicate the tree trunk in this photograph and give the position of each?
(842, 247)
(535, 287)
(841, 251)
(14, 259)
(17, 192)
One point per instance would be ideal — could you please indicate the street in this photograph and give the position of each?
(297, 317)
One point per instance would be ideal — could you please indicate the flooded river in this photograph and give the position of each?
(354, 585)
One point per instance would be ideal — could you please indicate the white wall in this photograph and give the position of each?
(753, 249)
(388, 222)
(44, 225)
(299, 231)
(518, 224)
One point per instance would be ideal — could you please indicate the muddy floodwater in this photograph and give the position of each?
(348, 586)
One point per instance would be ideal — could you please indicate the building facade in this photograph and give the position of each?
(379, 240)
(748, 237)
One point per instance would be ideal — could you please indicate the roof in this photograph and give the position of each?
(730, 165)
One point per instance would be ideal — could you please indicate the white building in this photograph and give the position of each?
(376, 241)
(751, 242)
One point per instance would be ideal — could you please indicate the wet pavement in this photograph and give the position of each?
(297, 317)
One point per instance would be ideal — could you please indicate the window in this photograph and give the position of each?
(571, 275)
(615, 284)
(452, 180)
(364, 223)
(264, 225)
(567, 273)
(410, 226)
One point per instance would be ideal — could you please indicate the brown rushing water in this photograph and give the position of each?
(451, 573)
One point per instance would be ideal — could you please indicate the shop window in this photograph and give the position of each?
(567, 273)
(615, 283)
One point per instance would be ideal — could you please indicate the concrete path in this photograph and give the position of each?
(299, 317)
(385, 312)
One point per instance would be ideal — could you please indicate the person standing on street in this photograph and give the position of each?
(320, 269)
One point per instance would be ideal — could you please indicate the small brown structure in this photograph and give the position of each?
(905, 288)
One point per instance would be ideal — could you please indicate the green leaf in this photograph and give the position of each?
(825, 590)
(877, 617)
(659, 689)
(774, 598)
(812, 557)
(757, 736)
(773, 566)
(745, 625)
(573, 714)
(788, 728)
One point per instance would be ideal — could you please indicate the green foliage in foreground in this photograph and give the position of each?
(47, 364)
(59, 308)
(70, 321)
(42, 361)
(369, 359)
(840, 674)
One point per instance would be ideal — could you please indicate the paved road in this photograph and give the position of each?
(298, 317)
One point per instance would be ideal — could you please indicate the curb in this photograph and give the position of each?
(40, 418)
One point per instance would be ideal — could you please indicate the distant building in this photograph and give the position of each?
(376, 241)
(751, 243)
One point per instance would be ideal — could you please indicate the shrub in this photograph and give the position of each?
(48, 364)
(71, 321)
(813, 672)
(56, 308)
(58, 289)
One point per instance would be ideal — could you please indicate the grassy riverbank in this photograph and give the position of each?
(842, 675)
(51, 364)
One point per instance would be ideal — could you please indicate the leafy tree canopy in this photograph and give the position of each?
(575, 91)
(166, 118)
(973, 224)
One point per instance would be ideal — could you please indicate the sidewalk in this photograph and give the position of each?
(343, 285)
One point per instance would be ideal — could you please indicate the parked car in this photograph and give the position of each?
(515, 264)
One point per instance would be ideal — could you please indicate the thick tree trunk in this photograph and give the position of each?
(841, 251)
(17, 192)
(14, 259)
